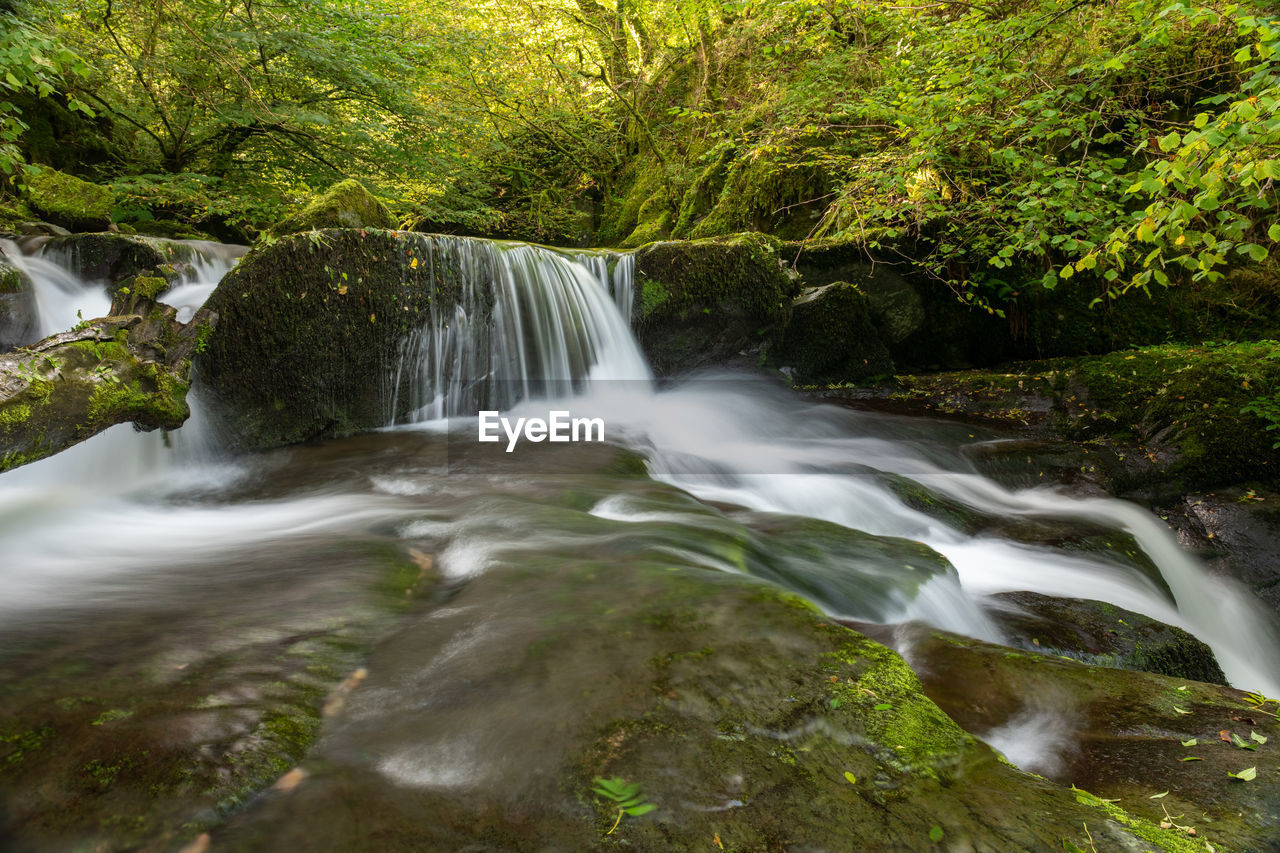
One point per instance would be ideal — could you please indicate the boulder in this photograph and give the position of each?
(312, 327)
(706, 302)
(831, 337)
(1159, 747)
(1096, 632)
(111, 258)
(346, 204)
(68, 201)
(17, 307)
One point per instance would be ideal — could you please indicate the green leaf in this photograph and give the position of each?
(1255, 736)
(642, 809)
(1170, 141)
(1191, 758)
(1274, 232)
(1158, 796)
(853, 780)
(1067, 271)
(1246, 775)
(1191, 742)
(883, 706)
(1240, 742)
(935, 834)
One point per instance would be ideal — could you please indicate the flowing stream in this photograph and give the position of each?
(164, 550)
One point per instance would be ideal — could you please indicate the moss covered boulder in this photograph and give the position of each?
(706, 302)
(1096, 632)
(312, 326)
(831, 337)
(346, 204)
(1159, 747)
(132, 366)
(17, 307)
(69, 201)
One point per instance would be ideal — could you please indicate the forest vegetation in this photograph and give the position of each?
(1002, 146)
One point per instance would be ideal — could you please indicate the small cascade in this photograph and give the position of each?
(118, 457)
(529, 322)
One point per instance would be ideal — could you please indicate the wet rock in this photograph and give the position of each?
(111, 258)
(831, 337)
(1096, 632)
(68, 201)
(17, 307)
(132, 366)
(1117, 734)
(706, 302)
(346, 204)
(1236, 531)
(312, 326)
(41, 229)
(158, 722)
(738, 713)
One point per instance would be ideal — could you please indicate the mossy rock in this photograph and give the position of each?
(1096, 632)
(1117, 734)
(1183, 405)
(13, 214)
(311, 330)
(111, 258)
(346, 204)
(17, 307)
(706, 302)
(739, 712)
(69, 201)
(831, 337)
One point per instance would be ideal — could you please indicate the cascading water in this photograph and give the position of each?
(145, 543)
(540, 323)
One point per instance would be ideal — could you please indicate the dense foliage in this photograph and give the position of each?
(1003, 147)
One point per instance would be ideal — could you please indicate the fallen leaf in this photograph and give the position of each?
(1158, 796)
(1255, 736)
(290, 780)
(1191, 742)
(853, 780)
(1225, 735)
(1191, 758)
(1246, 775)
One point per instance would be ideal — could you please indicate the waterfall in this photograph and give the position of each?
(529, 322)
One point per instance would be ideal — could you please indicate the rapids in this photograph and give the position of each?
(170, 550)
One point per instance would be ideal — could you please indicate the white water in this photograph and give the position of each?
(552, 325)
(530, 322)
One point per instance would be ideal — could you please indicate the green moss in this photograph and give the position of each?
(15, 747)
(1170, 840)
(13, 215)
(144, 286)
(918, 735)
(69, 201)
(11, 279)
(653, 295)
(346, 204)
